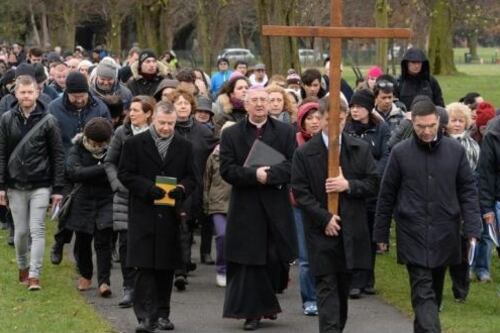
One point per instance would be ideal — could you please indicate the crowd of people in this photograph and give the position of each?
(134, 157)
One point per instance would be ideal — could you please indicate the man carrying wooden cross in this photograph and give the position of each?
(336, 243)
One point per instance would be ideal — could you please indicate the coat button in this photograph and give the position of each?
(160, 216)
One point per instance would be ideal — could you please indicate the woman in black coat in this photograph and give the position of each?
(90, 214)
(137, 121)
(203, 142)
(363, 123)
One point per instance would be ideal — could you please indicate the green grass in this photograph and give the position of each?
(479, 314)
(58, 307)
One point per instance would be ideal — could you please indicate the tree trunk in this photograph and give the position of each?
(280, 53)
(441, 40)
(203, 33)
(382, 21)
(45, 26)
(69, 18)
(472, 44)
(265, 44)
(36, 35)
(115, 33)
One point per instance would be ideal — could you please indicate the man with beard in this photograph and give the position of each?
(105, 83)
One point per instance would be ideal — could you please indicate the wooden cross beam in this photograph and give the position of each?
(336, 32)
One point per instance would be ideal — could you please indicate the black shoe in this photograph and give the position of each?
(56, 254)
(146, 326)
(355, 293)
(164, 324)
(207, 259)
(369, 291)
(251, 324)
(180, 283)
(126, 301)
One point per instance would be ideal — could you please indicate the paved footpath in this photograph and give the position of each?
(199, 309)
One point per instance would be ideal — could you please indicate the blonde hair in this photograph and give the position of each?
(460, 110)
(273, 88)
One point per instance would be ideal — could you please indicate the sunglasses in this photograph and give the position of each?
(385, 84)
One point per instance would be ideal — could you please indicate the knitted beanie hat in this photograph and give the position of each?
(76, 82)
(363, 98)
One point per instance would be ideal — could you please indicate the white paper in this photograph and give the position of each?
(493, 233)
(55, 212)
(472, 252)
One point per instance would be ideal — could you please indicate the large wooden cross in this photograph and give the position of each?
(336, 32)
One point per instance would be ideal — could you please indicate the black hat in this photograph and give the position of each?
(363, 98)
(76, 82)
(53, 57)
(8, 77)
(40, 74)
(98, 129)
(204, 104)
(25, 69)
(222, 59)
(146, 54)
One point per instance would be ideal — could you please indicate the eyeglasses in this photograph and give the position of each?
(385, 84)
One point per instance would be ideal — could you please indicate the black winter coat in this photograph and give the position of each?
(351, 249)
(431, 190)
(424, 83)
(40, 162)
(71, 121)
(153, 230)
(120, 198)
(377, 136)
(92, 204)
(258, 214)
(203, 142)
(489, 167)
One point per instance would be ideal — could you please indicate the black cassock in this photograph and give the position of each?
(260, 237)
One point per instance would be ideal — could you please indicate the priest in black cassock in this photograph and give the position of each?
(260, 236)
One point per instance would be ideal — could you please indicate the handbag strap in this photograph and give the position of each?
(28, 136)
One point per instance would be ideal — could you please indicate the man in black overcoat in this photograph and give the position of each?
(260, 235)
(429, 186)
(336, 244)
(153, 245)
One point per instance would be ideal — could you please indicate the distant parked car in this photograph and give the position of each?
(308, 56)
(235, 54)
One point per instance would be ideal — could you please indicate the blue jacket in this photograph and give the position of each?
(217, 82)
(71, 121)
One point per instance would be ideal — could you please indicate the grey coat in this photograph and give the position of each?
(120, 198)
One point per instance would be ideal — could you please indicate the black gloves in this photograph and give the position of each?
(157, 193)
(177, 194)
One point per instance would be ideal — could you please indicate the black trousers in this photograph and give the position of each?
(206, 233)
(152, 292)
(460, 274)
(83, 251)
(365, 278)
(426, 296)
(128, 273)
(332, 294)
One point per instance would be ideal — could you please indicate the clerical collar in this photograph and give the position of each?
(258, 125)
(325, 139)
